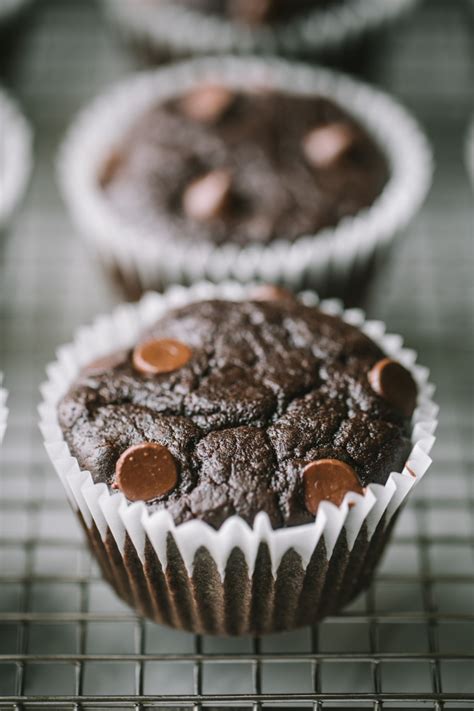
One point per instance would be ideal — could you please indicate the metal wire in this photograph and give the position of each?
(66, 642)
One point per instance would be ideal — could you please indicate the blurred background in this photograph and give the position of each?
(65, 639)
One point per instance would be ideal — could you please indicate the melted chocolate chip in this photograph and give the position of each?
(110, 168)
(207, 104)
(160, 356)
(324, 146)
(328, 480)
(207, 197)
(395, 384)
(145, 472)
(105, 363)
(269, 292)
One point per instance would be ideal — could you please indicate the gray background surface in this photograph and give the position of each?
(63, 634)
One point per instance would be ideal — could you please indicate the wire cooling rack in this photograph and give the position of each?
(66, 642)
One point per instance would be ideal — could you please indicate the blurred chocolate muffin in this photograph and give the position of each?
(244, 167)
(248, 169)
(255, 12)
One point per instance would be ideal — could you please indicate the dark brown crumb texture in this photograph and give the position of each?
(270, 387)
(276, 193)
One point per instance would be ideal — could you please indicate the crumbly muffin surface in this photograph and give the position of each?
(268, 388)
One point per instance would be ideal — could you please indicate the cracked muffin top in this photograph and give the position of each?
(229, 408)
(218, 166)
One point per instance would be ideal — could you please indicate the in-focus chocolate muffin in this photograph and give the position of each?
(229, 408)
(243, 167)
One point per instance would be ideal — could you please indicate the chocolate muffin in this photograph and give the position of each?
(235, 408)
(255, 12)
(243, 169)
(222, 465)
(221, 166)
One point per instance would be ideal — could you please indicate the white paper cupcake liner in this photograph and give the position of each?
(329, 261)
(15, 157)
(3, 409)
(171, 30)
(126, 537)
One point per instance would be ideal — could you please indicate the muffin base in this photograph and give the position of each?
(331, 33)
(239, 604)
(239, 579)
(359, 57)
(353, 290)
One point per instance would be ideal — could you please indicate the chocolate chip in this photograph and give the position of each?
(145, 471)
(110, 168)
(269, 292)
(207, 197)
(325, 145)
(207, 104)
(105, 363)
(160, 356)
(252, 12)
(328, 480)
(395, 384)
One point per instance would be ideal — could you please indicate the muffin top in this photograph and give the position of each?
(255, 12)
(245, 167)
(229, 408)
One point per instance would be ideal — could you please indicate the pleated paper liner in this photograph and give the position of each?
(336, 261)
(163, 30)
(238, 579)
(15, 157)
